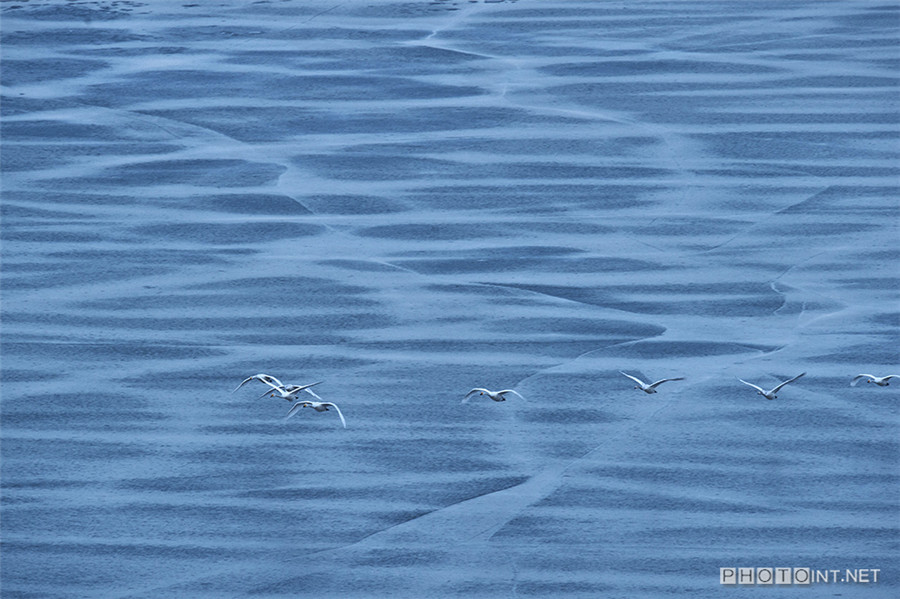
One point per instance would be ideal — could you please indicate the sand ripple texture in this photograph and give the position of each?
(407, 200)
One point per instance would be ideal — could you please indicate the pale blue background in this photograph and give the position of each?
(408, 200)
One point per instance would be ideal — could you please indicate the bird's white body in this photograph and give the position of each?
(770, 394)
(881, 381)
(495, 395)
(318, 406)
(649, 388)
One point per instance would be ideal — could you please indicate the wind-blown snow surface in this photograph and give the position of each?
(408, 200)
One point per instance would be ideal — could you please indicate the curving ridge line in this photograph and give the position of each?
(469, 524)
(474, 519)
(470, 521)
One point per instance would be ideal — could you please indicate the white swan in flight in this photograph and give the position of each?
(495, 395)
(289, 392)
(770, 394)
(318, 406)
(881, 381)
(651, 388)
(265, 378)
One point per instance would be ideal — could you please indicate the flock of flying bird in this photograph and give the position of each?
(292, 392)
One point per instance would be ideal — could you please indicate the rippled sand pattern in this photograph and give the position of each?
(408, 200)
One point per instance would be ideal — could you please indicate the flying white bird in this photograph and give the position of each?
(651, 388)
(318, 406)
(881, 381)
(289, 392)
(771, 393)
(495, 395)
(265, 378)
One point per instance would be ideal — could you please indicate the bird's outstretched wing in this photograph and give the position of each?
(858, 377)
(298, 388)
(513, 391)
(310, 391)
(338, 410)
(264, 378)
(760, 389)
(244, 382)
(775, 390)
(634, 378)
(267, 392)
(294, 409)
(472, 392)
(661, 381)
(273, 382)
